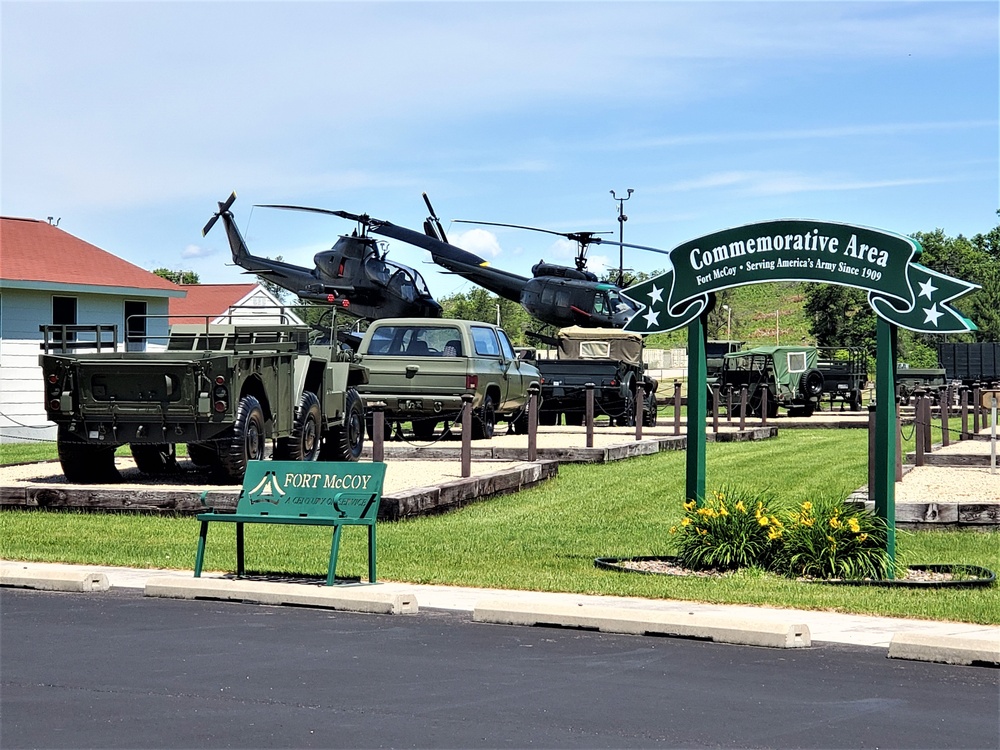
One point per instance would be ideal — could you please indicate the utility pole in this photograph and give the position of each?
(622, 218)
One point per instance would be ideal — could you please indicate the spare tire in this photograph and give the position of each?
(811, 383)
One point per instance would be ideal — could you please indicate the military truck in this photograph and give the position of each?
(420, 368)
(971, 362)
(845, 374)
(223, 390)
(611, 359)
(788, 374)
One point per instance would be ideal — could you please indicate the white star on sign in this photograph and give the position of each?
(927, 288)
(655, 295)
(932, 314)
(651, 317)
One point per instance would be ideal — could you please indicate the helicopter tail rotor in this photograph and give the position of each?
(224, 207)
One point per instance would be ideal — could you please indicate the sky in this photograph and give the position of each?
(128, 121)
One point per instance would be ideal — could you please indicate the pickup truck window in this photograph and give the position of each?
(506, 347)
(414, 341)
(486, 342)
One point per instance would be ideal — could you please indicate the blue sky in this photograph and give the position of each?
(128, 121)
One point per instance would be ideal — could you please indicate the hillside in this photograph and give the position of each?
(761, 314)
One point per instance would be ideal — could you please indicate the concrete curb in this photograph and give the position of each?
(52, 580)
(945, 649)
(365, 598)
(739, 631)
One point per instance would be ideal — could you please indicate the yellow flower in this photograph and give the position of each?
(807, 505)
(762, 520)
(862, 538)
(854, 525)
(808, 521)
(740, 506)
(690, 505)
(673, 529)
(834, 523)
(723, 511)
(774, 534)
(685, 521)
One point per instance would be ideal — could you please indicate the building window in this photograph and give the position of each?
(135, 326)
(63, 314)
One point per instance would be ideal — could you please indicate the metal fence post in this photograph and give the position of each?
(919, 427)
(466, 434)
(871, 451)
(743, 407)
(589, 417)
(533, 423)
(945, 401)
(715, 407)
(378, 431)
(640, 409)
(677, 407)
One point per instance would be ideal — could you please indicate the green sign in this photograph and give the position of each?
(900, 290)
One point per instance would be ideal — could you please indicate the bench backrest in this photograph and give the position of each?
(312, 489)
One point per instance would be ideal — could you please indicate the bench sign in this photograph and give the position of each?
(900, 290)
(287, 488)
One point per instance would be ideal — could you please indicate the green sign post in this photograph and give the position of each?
(902, 293)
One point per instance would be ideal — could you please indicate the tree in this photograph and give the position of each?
(479, 304)
(178, 277)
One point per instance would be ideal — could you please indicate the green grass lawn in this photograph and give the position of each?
(547, 538)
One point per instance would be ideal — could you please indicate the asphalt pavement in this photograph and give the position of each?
(117, 669)
(925, 640)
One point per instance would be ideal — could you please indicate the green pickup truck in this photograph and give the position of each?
(420, 368)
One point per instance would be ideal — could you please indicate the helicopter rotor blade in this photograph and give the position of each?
(360, 218)
(583, 238)
(599, 241)
(223, 208)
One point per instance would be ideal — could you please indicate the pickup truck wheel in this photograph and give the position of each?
(423, 429)
(484, 422)
(83, 463)
(345, 442)
(304, 442)
(246, 441)
(154, 459)
(548, 418)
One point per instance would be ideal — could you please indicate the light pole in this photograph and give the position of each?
(729, 323)
(622, 218)
(776, 342)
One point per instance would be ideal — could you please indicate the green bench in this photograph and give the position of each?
(303, 493)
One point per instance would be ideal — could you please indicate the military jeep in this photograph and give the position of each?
(789, 374)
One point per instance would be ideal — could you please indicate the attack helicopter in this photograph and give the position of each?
(354, 275)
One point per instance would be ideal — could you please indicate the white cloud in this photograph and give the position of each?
(479, 241)
(196, 251)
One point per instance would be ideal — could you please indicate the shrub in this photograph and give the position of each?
(826, 538)
(734, 528)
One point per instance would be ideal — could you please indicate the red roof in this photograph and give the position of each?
(33, 250)
(206, 299)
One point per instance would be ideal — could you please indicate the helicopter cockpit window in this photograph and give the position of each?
(407, 282)
(377, 270)
(616, 303)
(601, 304)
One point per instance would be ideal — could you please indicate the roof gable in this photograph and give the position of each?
(218, 300)
(33, 250)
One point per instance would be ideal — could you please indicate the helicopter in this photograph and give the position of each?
(557, 295)
(354, 276)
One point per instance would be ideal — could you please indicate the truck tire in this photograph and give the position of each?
(811, 383)
(246, 441)
(423, 429)
(154, 459)
(855, 400)
(84, 463)
(649, 413)
(548, 418)
(202, 455)
(304, 442)
(627, 416)
(484, 420)
(345, 442)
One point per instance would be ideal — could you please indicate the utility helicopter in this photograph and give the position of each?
(354, 275)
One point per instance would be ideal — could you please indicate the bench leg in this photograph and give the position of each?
(331, 574)
(200, 557)
(240, 567)
(371, 553)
